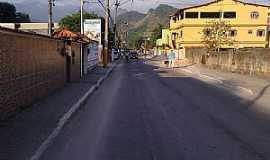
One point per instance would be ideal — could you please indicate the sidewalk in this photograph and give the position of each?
(252, 88)
(21, 135)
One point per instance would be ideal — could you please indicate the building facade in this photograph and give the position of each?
(38, 28)
(249, 24)
(162, 44)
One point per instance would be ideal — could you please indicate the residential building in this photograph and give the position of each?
(249, 26)
(38, 28)
(163, 43)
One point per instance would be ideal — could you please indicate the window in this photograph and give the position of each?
(174, 19)
(181, 15)
(181, 34)
(174, 36)
(229, 15)
(254, 15)
(192, 15)
(207, 32)
(260, 33)
(233, 33)
(250, 31)
(210, 14)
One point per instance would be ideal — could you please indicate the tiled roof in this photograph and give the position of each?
(64, 33)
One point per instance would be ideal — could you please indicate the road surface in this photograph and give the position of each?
(142, 112)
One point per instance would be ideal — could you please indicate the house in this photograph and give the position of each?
(38, 28)
(162, 44)
(89, 57)
(249, 23)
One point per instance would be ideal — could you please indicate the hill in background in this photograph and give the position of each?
(140, 24)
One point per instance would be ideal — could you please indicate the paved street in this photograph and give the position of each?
(142, 112)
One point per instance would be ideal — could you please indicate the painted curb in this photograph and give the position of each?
(67, 116)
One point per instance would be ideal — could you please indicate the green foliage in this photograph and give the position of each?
(8, 14)
(157, 34)
(215, 35)
(22, 17)
(147, 23)
(73, 21)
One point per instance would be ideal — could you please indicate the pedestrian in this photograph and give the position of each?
(171, 58)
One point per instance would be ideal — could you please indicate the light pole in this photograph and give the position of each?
(50, 2)
(106, 39)
(82, 32)
(82, 3)
(117, 4)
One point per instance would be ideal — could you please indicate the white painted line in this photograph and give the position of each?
(246, 90)
(45, 145)
(211, 78)
(60, 125)
(186, 70)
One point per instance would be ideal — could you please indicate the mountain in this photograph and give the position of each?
(140, 24)
(131, 17)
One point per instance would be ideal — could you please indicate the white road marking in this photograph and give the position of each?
(246, 90)
(49, 140)
(186, 70)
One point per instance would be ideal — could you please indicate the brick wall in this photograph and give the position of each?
(31, 67)
(253, 61)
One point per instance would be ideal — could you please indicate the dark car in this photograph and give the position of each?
(133, 55)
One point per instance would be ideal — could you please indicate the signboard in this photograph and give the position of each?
(92, 55)
(92, 29)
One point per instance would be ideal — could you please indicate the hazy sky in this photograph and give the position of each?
(38, 8)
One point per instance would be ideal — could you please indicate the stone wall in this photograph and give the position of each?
(253, 61)
(31, 67)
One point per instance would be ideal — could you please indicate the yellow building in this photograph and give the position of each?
(249, 23)
(162, 44)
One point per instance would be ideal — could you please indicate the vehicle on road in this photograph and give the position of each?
(133, 55)
(116, 55)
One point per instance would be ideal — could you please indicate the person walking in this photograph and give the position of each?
(171, 58)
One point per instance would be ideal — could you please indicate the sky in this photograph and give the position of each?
(38, 8)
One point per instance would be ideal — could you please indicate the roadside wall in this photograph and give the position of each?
(75, 72)
(31, 67)
(253, 61)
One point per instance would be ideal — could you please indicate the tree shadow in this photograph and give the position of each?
(259, 95)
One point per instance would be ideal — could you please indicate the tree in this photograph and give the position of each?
(157, 34)
(216, 35)
(8, 14)
(72, 22)
(22, 17)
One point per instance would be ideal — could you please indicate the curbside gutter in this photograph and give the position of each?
(67, 116)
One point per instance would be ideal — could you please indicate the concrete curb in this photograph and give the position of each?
(67, 116)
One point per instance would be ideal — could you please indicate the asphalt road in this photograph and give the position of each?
(145, 113)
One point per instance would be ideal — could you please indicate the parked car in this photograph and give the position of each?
(133, 55)
(116, 55)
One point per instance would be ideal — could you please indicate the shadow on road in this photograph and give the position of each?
(259, 96)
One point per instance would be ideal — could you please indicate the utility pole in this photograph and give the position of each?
(50, 2)
(268, 30)
(82, 29)
(106, 39)
(117, 4)
(82, 32)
